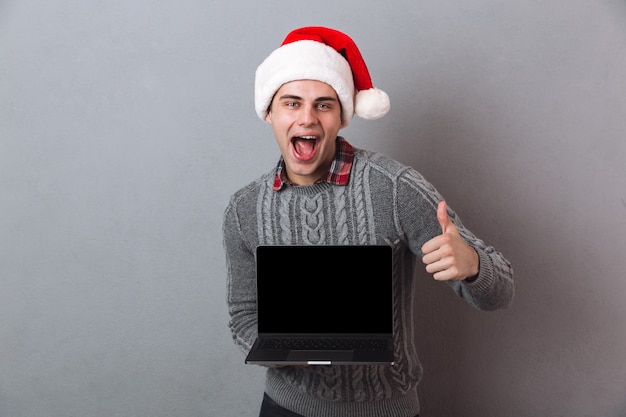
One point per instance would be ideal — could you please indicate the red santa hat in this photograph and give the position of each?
(327, 55)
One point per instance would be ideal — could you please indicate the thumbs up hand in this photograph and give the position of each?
(448, 256)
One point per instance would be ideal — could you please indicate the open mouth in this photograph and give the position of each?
(304, 146)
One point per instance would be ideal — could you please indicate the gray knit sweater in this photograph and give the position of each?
(384, 203)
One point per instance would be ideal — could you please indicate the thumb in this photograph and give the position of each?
(442, 217)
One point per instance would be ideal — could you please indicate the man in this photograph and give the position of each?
(324, 191)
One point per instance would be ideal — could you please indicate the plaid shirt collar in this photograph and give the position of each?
(339, 172)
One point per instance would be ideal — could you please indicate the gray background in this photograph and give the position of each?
(125, 125)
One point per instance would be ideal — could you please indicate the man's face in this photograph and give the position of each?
(306, 118)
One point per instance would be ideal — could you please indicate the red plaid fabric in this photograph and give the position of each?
(339, 173)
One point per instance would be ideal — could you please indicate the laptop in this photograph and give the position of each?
(324, 305)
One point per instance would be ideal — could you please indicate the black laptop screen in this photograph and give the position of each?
(324, 289)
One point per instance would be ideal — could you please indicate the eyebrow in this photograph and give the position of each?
(294, 97)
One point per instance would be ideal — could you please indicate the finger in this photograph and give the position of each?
(442, 216)
(431, 246)
(443, 270)
(437, 266)
(445, 275)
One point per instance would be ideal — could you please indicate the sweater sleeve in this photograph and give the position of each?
(240, 280)
(416, 204)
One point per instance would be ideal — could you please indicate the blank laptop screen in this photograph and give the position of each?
(324, 289)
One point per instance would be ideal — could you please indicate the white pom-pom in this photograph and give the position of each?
(371, 104)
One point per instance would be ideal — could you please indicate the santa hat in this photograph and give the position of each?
(327, 55)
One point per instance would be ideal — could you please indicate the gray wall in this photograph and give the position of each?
(126, 124)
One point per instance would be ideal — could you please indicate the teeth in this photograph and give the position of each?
(307, 137)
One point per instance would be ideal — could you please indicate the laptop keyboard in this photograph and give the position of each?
(323, 344)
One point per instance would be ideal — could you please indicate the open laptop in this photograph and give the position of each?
(324, 305)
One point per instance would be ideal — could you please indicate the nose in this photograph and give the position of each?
(307, 115)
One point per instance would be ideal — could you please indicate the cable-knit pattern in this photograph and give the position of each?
(341, 216)
(265, 223)
(313, 220)
(426, 189)
(358, 385)
(405, 372)
(380, 384)
(359, 206)
(329, 383)
(284, 221)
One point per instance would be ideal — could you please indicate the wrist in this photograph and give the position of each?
(471, 279)
(476, 271)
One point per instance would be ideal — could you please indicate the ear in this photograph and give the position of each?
(268, 117)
